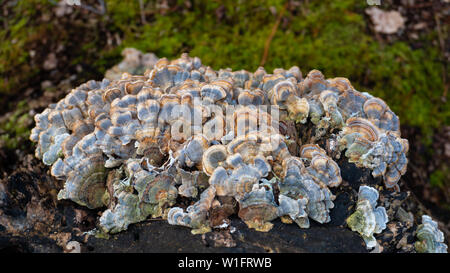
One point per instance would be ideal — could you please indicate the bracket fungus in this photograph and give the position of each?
(431, 239)
(183, 140)
(368, 218)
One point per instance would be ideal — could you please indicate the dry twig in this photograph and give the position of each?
(272, 34)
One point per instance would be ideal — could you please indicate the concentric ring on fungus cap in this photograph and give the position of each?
(213, 157)
(364, 127)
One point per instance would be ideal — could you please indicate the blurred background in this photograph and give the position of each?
(396, 50)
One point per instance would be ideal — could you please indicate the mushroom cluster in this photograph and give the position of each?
(194, 145)
(430, 238)
(368, 218)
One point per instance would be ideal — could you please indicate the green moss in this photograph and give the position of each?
(16, 129)
(439, 178)
(20, 31)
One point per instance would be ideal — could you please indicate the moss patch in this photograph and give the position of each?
(15, 130)
(19, 30)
